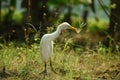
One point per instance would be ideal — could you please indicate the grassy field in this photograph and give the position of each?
(23, 63)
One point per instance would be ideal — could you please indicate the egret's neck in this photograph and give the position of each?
(55, 34)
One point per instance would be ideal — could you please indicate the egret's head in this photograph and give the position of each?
(66, 25)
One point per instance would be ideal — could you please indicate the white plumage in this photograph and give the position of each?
(46, 47)
(46, 43)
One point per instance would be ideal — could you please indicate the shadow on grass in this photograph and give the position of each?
(6, 74)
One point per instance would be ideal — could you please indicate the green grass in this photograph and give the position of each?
(70, 64)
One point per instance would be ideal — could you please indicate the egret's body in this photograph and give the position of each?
(46, 43)
(46, 47)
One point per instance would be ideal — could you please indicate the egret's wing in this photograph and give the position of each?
(52, 43)
(45, 48)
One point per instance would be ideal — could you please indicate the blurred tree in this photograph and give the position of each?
(0, 9)
(114, 29)
(10, 28)
(68, 4)
(44, 17)
(8, 21)
(88, 4)
(65, 4)
(38, 13)
(67, 16)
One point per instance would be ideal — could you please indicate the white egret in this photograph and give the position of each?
(46, 44)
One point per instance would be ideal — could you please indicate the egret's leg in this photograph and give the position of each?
(45, 70)
(52, 66)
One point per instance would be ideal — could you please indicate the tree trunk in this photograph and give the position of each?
(67, 16)
(85, 17)
(114, 29)
(0, 9)
(39, 14)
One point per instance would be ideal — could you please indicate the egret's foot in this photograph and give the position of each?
(44, 72)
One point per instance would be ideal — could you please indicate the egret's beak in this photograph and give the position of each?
(73, 28)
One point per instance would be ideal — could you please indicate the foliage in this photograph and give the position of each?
(17, 17)
(87, 65)
(100, 26)
(62, 2)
